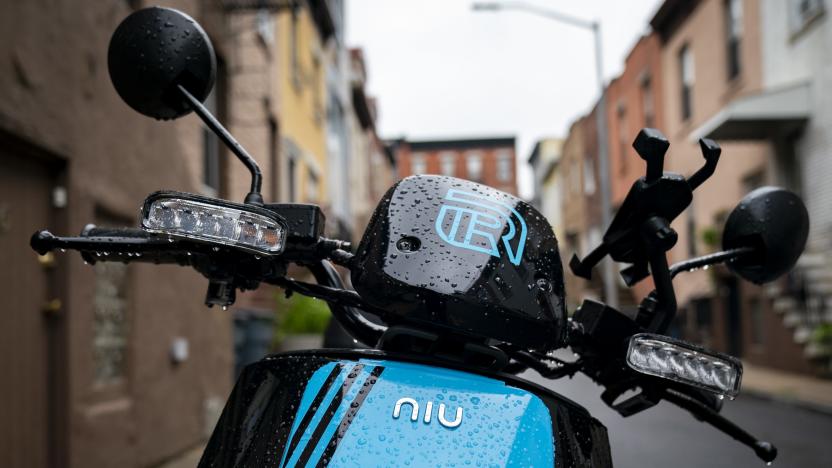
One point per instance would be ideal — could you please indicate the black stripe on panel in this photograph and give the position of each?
(313, 408)
(349, 416)
(328, 415)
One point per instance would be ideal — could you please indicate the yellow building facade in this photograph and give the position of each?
(301, 106)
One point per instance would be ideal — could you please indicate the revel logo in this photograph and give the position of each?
(476, 222)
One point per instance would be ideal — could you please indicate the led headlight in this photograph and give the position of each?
(214, 221)
(676, 360)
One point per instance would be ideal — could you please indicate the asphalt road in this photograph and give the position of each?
(666, 435)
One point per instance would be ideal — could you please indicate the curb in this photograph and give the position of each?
(814, 407)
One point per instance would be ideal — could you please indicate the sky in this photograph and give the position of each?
(441, 70)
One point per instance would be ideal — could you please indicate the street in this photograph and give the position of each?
(668, 436)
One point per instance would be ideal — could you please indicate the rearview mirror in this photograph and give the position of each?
(775, 222)
(152, 51)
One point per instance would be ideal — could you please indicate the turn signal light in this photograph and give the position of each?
(214, 221)
(683, 362)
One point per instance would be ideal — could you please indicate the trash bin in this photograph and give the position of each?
(253, 335)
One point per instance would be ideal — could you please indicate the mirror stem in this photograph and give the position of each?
(705, 260)
(254, 197)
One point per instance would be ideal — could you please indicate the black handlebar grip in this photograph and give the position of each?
(117, 244)
(765, 451)
(91, 230)
(42, 242)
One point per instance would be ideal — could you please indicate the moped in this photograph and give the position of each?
(466, 286)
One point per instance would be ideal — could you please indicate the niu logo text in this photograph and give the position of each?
(428, 415)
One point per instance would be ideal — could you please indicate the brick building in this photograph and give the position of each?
(634, 101)
(90, 378)
(490, 161)
(581, 205)
(792, 114)
(711, 56)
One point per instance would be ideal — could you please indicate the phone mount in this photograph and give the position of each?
(640, 233)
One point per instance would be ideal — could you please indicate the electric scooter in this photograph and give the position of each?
(468, 288)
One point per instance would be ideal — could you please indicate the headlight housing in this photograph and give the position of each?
(209, 220)
(683, 362)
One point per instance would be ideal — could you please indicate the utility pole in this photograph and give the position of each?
(610, 283)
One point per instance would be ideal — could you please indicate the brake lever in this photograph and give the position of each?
(764, 450)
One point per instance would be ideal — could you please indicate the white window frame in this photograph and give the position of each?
(474, 165)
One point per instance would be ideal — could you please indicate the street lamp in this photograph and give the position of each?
(610, 284)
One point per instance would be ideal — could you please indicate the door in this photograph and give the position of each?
(25, 205)
(733, 314)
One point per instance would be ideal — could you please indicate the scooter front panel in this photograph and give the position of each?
(378, 413)
(363, 408)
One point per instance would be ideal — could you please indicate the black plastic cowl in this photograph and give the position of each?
(448, 254)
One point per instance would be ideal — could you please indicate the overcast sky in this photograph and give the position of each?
(440, 70)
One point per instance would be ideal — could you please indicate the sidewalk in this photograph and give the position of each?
(797, 389)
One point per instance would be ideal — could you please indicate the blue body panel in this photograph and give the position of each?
(373, 408)
(499, 425)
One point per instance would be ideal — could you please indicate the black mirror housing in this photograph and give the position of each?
(151, 52)
(775, 222)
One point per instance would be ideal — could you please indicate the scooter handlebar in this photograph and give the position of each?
(117, 244)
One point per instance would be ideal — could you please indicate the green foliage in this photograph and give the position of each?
(301, 315)
(711, 237)
(822, 334)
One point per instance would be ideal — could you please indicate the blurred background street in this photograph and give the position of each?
(124, 366)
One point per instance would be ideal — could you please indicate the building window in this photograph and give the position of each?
(572, 242)
(686, 73)
(648, 106)
(274, 160)
(623, 138)
(265, 26)
(803, 12)
(754, 180)
(447, 163)
(504, 166)
(691, 228)
(702, 311)
(589, 177)
(110, 318)
(733, 36)
(473, 165)
(110, 322)
(312, 188)
(292, 173)
(294, 47)
(418, 164)
(210, 151)
(575, 177)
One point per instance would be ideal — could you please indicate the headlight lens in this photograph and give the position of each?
(200, 218)
(676, 360)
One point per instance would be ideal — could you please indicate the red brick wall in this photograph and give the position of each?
(626, 92)
(404, 162)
